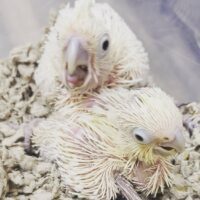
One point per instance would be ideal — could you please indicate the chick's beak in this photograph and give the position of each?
(178, 143)
(77, 60)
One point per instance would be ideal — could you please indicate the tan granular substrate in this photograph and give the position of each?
(27, 177)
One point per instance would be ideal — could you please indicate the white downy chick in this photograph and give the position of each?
(130, 133)
(90, 46)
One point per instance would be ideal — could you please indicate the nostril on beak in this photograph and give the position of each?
(166, 138)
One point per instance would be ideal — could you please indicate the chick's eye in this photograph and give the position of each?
(139, 137)
(104, 44)
(142, 136)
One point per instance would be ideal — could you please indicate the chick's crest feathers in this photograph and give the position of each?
(83, 7)
(146, 107)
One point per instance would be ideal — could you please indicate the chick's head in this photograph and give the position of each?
(90, 45)
(151, 132)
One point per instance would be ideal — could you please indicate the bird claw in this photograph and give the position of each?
(28, 131)
(127, 189)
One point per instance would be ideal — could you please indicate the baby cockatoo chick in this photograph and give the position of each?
(122, 132)
(90, 46)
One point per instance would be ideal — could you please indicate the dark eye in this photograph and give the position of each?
(105, 45)
(139, 137)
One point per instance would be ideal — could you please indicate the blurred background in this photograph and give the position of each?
(169, 30)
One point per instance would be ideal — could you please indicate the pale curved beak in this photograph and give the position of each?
(178, 143)
(76, 56)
